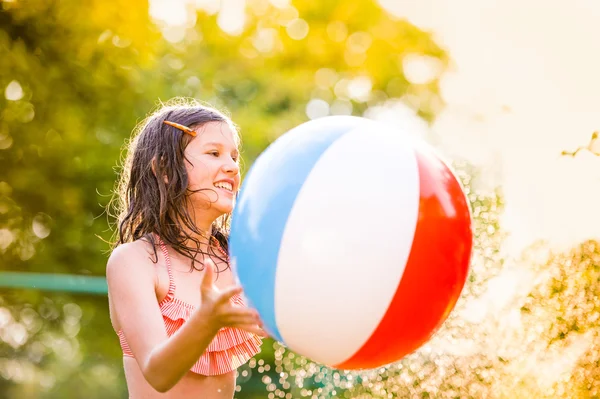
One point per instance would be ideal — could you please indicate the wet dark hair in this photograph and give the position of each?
(145, 206)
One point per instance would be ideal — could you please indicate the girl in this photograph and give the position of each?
(174, 304)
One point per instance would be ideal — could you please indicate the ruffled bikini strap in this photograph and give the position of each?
(171, 293)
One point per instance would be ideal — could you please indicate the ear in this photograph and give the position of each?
(154, 171)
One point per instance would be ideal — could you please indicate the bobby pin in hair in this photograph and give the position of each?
(184, 129)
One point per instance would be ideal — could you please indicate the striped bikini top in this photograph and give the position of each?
(229, 349)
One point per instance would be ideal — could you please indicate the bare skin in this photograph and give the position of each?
(152, 279)
(161, 364)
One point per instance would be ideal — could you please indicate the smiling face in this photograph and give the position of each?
(213, 168)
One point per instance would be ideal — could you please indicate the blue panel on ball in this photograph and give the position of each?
(264, 204)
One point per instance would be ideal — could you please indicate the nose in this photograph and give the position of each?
(231, 167)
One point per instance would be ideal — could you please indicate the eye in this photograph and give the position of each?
(235, 158)
(214, 153)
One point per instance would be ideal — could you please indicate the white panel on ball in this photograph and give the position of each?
(346, 243)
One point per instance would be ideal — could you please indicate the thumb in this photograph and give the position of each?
(209, 271)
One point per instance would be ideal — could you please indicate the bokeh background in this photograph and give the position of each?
(508, 91)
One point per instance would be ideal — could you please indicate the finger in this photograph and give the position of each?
(235, 312)
(237, 320)
(207, 279)
(227, 293)
(235, 315)
(252, 328)
(261, 332)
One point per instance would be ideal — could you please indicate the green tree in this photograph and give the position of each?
(77, 76)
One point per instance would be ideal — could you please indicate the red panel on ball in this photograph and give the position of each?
(435, 273)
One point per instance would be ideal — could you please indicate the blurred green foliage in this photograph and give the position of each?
(76, 77)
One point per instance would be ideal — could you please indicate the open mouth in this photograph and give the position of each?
(224, 186)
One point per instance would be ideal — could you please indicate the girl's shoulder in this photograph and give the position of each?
(133, 257)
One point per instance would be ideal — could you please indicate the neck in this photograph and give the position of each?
(203, 236)
(203, 225)
(203, 220)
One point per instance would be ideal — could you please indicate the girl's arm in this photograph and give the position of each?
(132, 290)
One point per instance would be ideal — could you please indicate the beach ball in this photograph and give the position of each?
(352, 240)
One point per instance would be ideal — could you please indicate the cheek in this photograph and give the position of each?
(197, 176)
(238, 182)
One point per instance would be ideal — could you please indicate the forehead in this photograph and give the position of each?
(217, 133)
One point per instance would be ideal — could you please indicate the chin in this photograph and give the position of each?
(223, 207)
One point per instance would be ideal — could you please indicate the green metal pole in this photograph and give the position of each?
(54, 282)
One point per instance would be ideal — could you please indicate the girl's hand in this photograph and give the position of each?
(216, 306)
